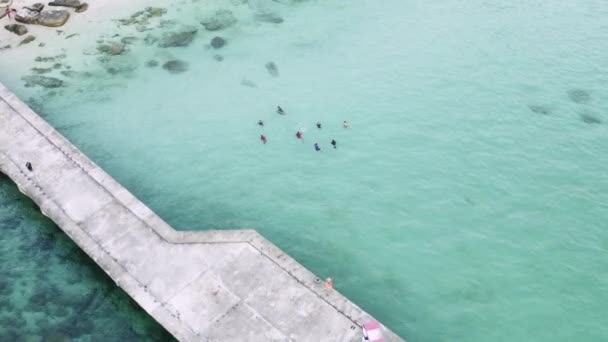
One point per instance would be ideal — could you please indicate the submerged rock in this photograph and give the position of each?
(269, 18)
(28, 40)
(152, 63)
(53, 18)
(579, 95)
(272, 69)
(128, 40)
(177, 39)
(248, 83)
(5, 47)
(50, 58)
(175, 66)
(218, 42)
(75, 74)
(41, 70)
(155, 11)
(112, 48)
(17, 29)
(43, 81)
(539, 109)
(221, 19)
(66, 3)
(218, 58)
(590, 119)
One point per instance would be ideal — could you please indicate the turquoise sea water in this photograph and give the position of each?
(466, 202)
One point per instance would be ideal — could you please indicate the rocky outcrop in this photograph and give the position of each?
(218, 42)
(17, 29)
(176, 39)
(269, 18)
(175, 66)
(43, 81)
(27, 40)
(220, 20)
(53, 18)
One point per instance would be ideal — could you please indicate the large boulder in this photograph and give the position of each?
(175, 66)
(27, 16)
(66, 3)
(53, 18)
(17, 29)
(82, 8)
(220, 20)
(175, 39)
(43, 81)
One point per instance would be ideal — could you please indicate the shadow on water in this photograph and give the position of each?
(51, 291)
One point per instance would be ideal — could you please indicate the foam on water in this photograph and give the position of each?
(465, 202)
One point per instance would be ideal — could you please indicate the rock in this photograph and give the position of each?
(43, 81)
(82, 8)
(128, 40)
(17, 29)
(248, 83)
(37, 7)
(112, 48)
(75, 74)
(39, 71)
(53, 18)
(27, 16)
(579, 96)
(150, 39)
(28, 40)
(218, 42)
(66, 3)
(50, 59)
(220, 20)
(272, 69)
(539, 109)
(175, 66)
(152, 63)
(218, 58)
(42, 44)
(175, 39)
(269, 18)
(71, 35)
(5, 47)
(590, 119)
(155, 11)
(57, 66)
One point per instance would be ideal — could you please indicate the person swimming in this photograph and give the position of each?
(299, 135)
(345, 124)
(280, 110)
(318, 125)
(333, 143)
(261, 123)
(263, 138)
(317, 148)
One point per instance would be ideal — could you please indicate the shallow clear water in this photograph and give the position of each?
(468, 198)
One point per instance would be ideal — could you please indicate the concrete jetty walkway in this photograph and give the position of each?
(200, 285)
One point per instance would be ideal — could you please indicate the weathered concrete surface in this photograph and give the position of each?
(201, 286)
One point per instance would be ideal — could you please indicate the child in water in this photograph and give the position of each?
(317, 148)
(263, 138)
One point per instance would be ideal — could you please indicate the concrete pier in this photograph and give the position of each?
(200, 285)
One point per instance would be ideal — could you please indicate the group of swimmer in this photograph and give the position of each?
(299, 134)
